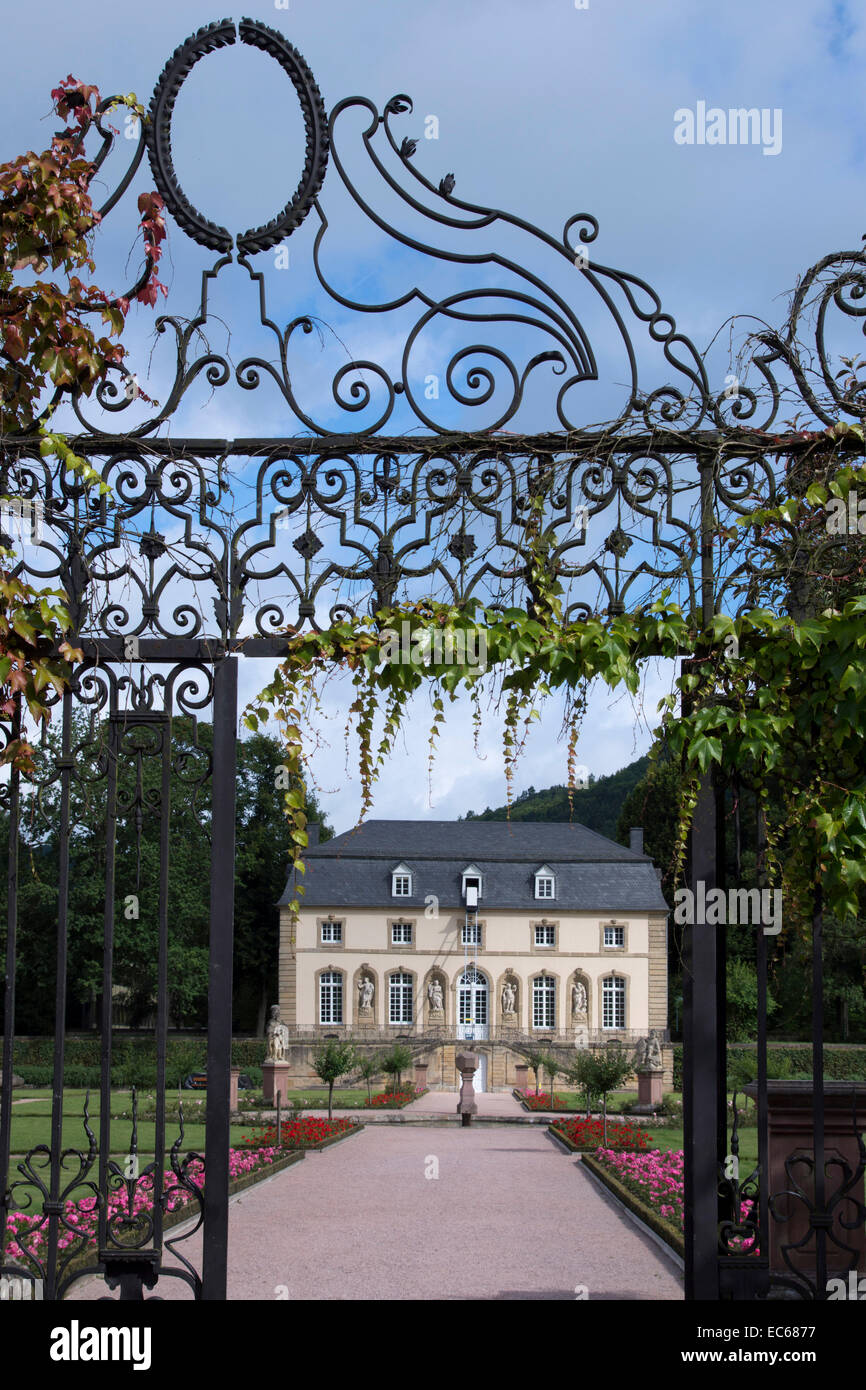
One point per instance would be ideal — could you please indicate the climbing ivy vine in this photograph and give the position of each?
(778, 702)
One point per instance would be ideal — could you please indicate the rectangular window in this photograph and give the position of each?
(402, 885)
(331, 997)
(401, 933)
(400, 999)
(545, 936)
(471, 934)
(544, 888)
(332, 931)
(614, 936)
(544, 1002)
(613, 1002)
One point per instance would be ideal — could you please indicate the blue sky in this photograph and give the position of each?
(544, 110)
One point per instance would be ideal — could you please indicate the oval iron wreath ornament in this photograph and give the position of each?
(221, 34)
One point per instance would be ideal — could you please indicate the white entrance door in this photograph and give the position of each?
(479, 1079)
(472, 1014)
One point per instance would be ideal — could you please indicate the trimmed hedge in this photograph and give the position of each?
(133, 1059)
(842, 1062)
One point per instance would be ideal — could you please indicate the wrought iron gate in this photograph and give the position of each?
(172, 580)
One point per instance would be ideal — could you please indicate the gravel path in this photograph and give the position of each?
(509, 1216)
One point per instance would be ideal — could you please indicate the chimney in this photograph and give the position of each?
(313, 828)
(636, 839)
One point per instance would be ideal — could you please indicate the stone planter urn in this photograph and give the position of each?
(791, 1132)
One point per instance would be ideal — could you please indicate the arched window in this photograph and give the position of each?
(400, 998)
(613, 1002)
(331, 997)
(544, 1002)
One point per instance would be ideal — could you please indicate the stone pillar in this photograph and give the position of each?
(650, 1087)
(467, 1065)
(421, 1074)
(275, 1077)
(791, 1132)
(522, 1069)
(234, 1073)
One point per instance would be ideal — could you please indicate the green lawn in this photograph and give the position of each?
(315, 1098)
(30, 1130)
(673, 1139)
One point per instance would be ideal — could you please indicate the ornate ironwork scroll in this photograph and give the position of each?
(396, 480)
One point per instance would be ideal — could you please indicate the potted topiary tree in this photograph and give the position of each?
(368, 1069)
(535, 1056)
(331, 1061)
(394, 1063)
(601, 1072)
(554, 1068)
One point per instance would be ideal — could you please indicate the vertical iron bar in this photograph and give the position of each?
(219, 1036)
(701, 994)
(818, 1086)
(60, 997)
(721, 933)
(9, 991)
(107, 970)
(162, 984)
(700, 1068)
(761, 1039)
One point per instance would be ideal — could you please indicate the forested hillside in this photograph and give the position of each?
(597, 806)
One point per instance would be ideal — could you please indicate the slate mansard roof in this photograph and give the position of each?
(592, 874)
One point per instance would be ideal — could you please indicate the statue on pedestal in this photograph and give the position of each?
(434, 994)
(509, 999)
(648, 1055)
(366, 989)
(277, 1034)
(578, 999)
(654, 1061)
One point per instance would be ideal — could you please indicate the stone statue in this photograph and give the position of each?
(434, 994)
(277, 1036)
(578, 998)
(509, 997)
(648, 1056)
(365, 992)
(654, 1061)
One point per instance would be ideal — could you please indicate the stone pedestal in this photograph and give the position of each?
(233, 1087)
(421, 1074)
(275, 1077)
(522, 1076)
(791, 1132)
(467, 1065)
(650, 1087)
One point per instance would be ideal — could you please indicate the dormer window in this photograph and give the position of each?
(471, 885)
(401, 882)
(545, 883)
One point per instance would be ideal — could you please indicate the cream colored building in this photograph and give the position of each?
(502, 935)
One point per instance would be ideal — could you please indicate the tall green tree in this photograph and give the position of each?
(262, 858)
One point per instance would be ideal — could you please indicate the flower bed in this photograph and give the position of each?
(82, 1215)
(308, 1132)
(394, 1100)
(655, 1177)
(543, 1100)
(585, 1135)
